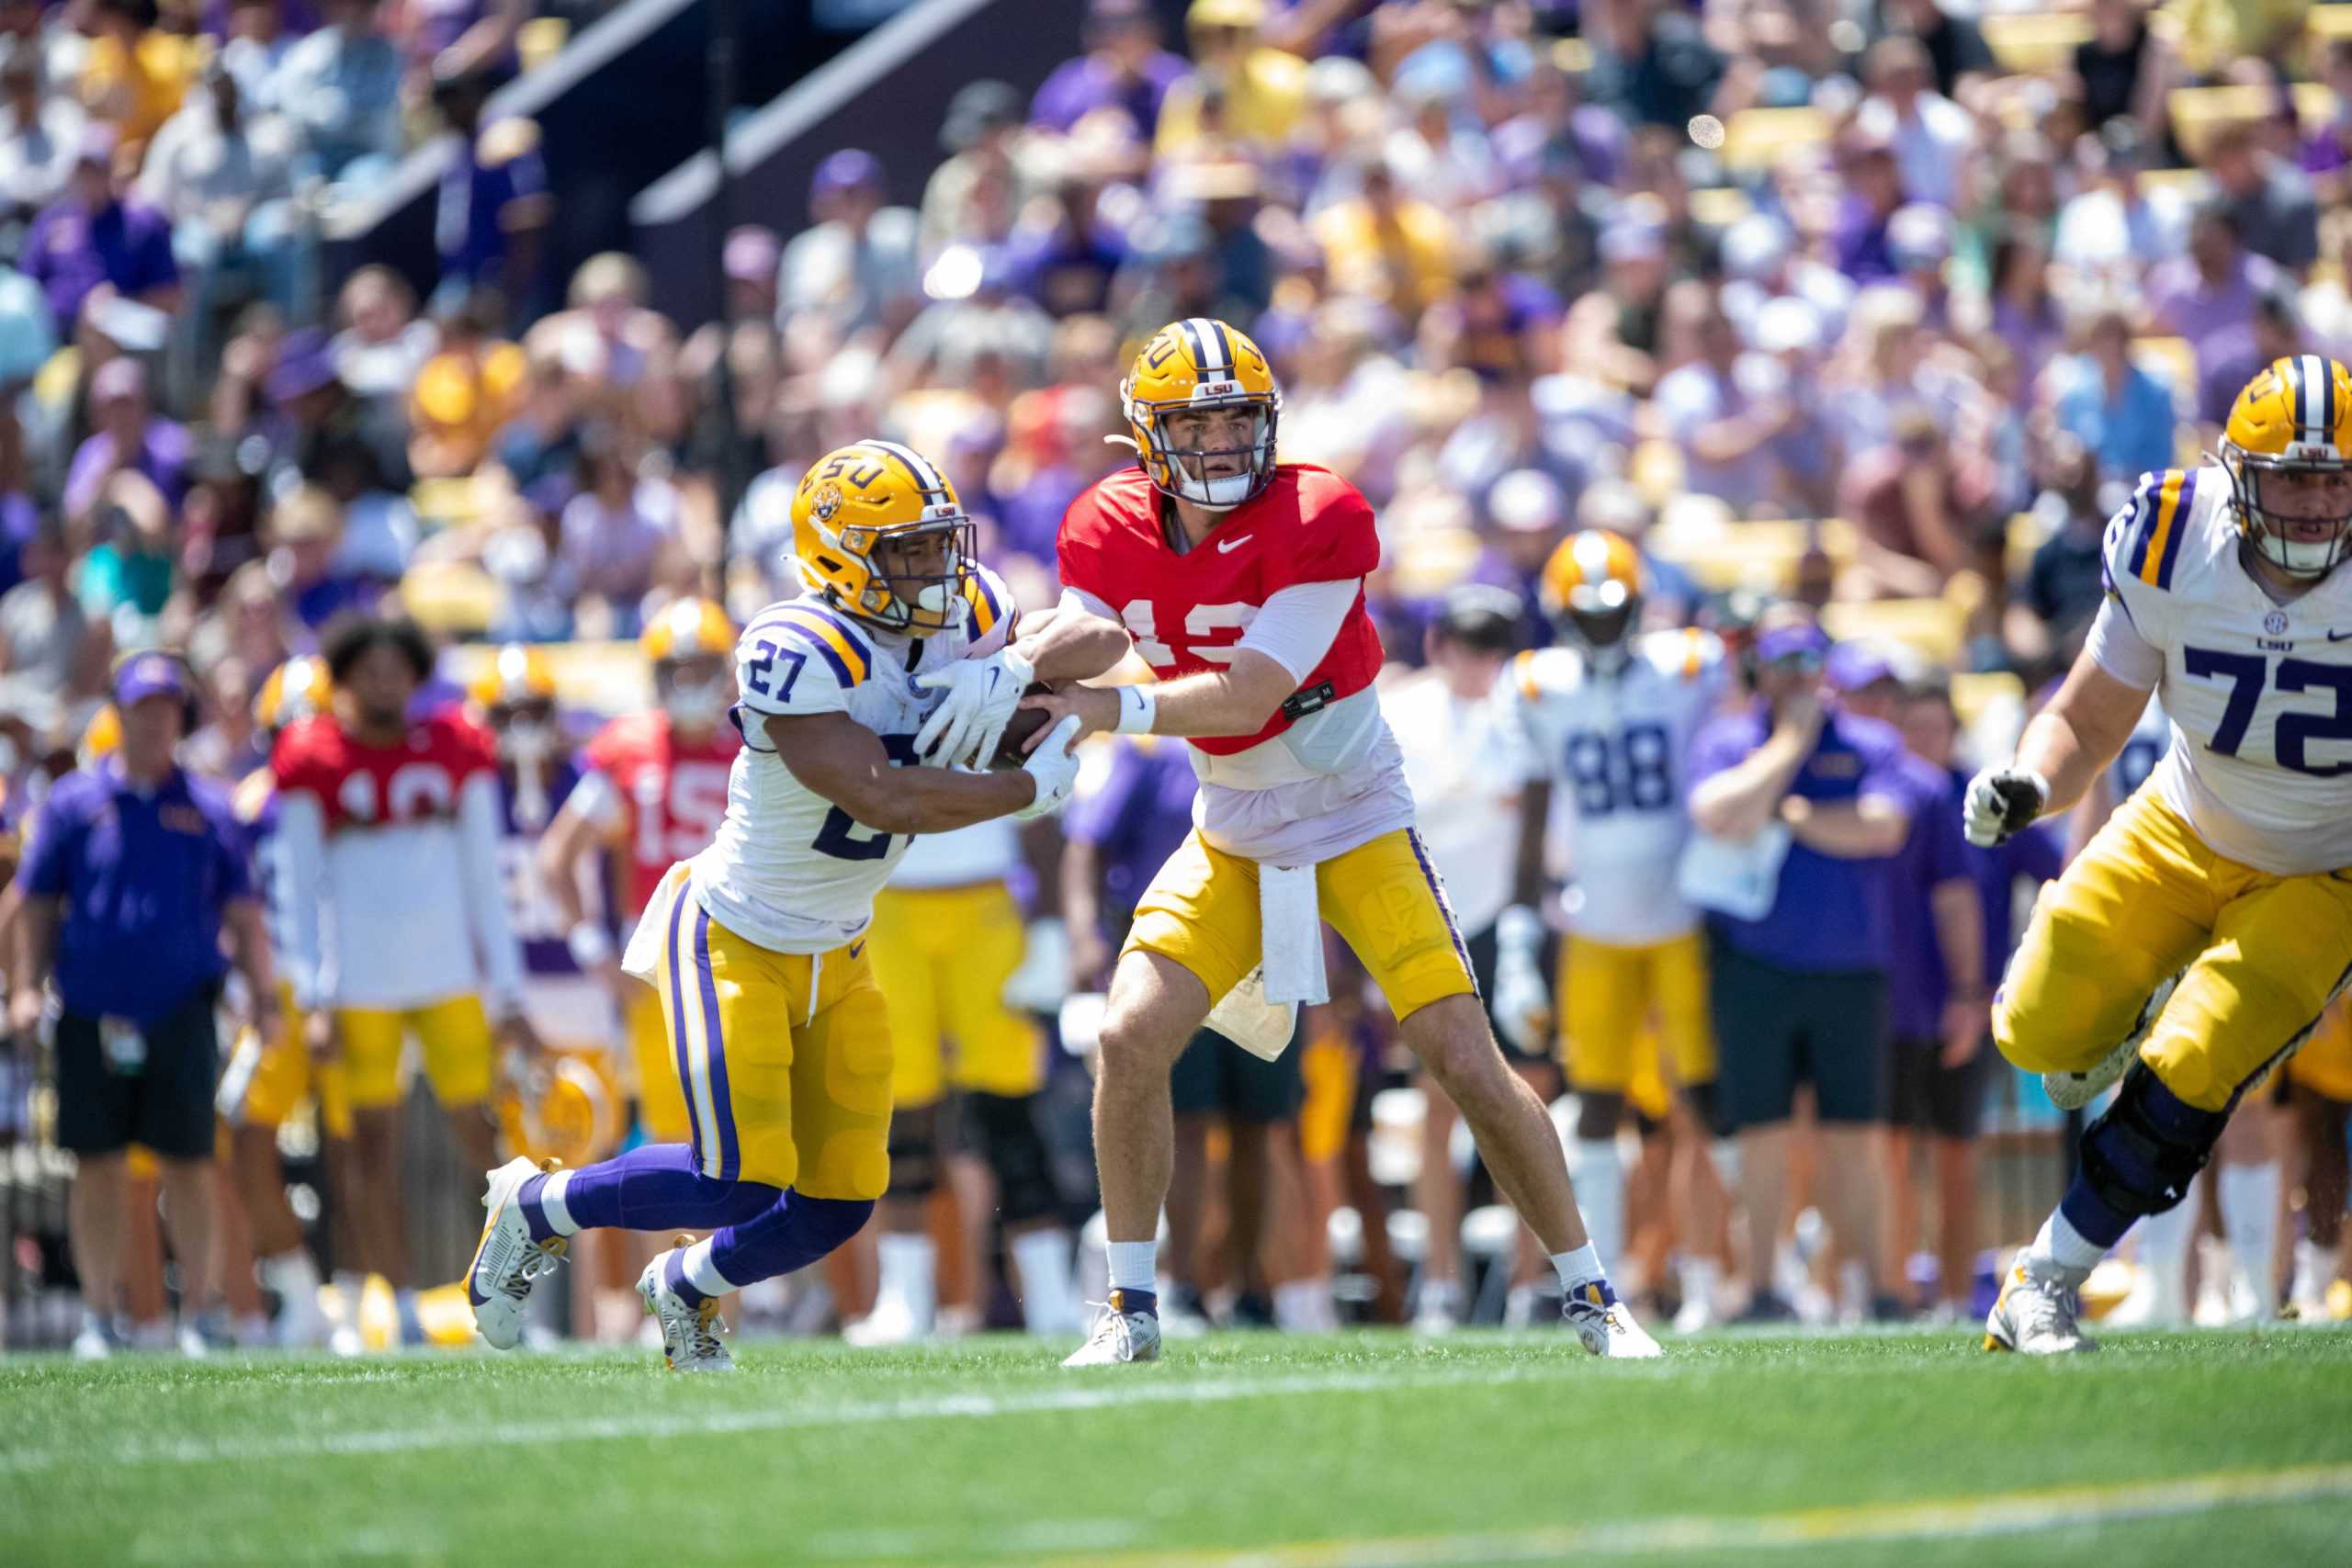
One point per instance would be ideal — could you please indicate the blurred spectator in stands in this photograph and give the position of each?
(2326, 155)
(494, 204)
(980, 328)
(1762, 262)
(611, 339)
(459, 37)
(1873, 193)
(318, 425)
(253, 49)
(27, 336)
(128, 434)
(978, 191)
(2270, 200)
(614, 532)
(1918, 505)
(2116, 226)
(128, 573)
(2065, 582)
(135, 73)
(91, 235)
(2326, 301)
(222, 179)
(383, 341)
(1956, 50)
(230, 745)
(2021, 311)
(2208, 296)
(1929, 134)
(341, 86)
(2276, 333)
(305, 534)
(1240, 90)
(1387, 246)
(859, 267)
(1747, 433)
(2121, 66)
(48, 644)
(1064, 256)
(1530, 517)
(1173, 272)
(1124, 68)
(466, 392)
(1920, 240)
(40, 131)
(1800, 992)
(1226, 192)
(250, 623)
(2121, 414)
(1651, 61)
(541, 442)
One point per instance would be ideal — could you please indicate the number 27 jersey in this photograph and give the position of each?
(790, 870)
(2259, 693)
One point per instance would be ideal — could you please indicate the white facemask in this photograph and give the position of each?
(696, 703)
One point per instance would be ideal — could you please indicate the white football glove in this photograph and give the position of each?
(1522, 1004)
(1054, 768)
(981, 696)
(2001, 804)
(1042, 979)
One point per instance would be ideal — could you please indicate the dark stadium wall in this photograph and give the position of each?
(887, 93)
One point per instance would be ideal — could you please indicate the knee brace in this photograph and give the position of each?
(1016, 1153)
(2143, 1152)
(1599, 1111)
(1706, 1109)
(914, 1151)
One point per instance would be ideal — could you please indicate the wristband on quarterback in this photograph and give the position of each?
(1138, 705)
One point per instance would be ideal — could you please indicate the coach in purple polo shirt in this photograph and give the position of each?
(1801, 993)
(90, 235)
(132, 872)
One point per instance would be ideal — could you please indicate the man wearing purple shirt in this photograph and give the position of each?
(2208, 296)
(129, 434)
(1801, 993)
(90, 236)
(1124, 68)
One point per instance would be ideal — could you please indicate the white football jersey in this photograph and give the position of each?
(1467, 809)
(1617, 750)
(790, 870)
(2259, 693)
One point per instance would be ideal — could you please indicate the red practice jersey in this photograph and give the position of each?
(1187, 612)
(363, 786)
(673, 790)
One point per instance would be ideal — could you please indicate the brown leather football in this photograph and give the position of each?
(1011, 750)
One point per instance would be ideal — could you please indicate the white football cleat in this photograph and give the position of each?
(1435, 1313)
(507, 1262)
(2072, 1091)
(690, 1341)
(97, 1341)
(1607, 1325)
(892, 1322)
(2035, 1314)
(1119, 1336)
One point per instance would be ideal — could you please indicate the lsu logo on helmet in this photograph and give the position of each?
(860, 521)
(1192, 364)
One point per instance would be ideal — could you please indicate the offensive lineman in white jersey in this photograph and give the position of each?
(758, 946)
(1607, 717)
(2223, 597)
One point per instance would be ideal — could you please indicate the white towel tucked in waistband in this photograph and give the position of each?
(1291, 930)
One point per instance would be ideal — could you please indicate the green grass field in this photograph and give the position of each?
(1365, 1448)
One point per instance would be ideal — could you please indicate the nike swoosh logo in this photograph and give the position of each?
(2338, 636)
(1225, 547)
(856, 948)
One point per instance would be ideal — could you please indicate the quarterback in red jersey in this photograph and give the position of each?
(654, 789)
(1240, 580)
(397, 921)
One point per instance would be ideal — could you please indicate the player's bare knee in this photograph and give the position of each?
(1600, 1113)
(1453, 1042)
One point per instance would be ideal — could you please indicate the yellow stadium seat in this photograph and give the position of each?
(2190, 186)
(1656, 471)
(2197, 111)
(2035, 40)
(1933, 628)
(454, 598)
(1762, 555)
(540, 39)
(2169, 360)
(1722, 206)
(1755, 140)
(1972, 693)
(1572, 55)
(449, 503)
(2331, 22)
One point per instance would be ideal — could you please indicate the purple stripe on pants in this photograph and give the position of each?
(730, 1159)
(1437, 888)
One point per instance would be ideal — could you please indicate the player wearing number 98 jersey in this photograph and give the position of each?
(2225, 598)
(757, 946)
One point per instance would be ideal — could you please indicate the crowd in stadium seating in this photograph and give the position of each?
(1878, 307)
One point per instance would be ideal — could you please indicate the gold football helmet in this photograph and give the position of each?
(296, 689)
(1192, 364)
(518, 676)
(570, 1109)
(1591, 591)
(687, 644)
(878, 532)
(2294, 422)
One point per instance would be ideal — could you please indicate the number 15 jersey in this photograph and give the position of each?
(1615, 748)
(790, 870)
(2259, 693)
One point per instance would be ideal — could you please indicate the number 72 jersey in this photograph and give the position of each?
(2259, 693)
(790, 870)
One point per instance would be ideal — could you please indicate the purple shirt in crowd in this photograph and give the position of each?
(1920, 984)
(1078, 88)
(2209, 315)
(1135, 820)
(1828, 915)
(70, 251)
(164, 457)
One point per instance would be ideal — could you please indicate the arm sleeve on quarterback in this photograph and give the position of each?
(1073, 595)
(301, 847)
(1298, 623)
(597, 799)
(795, 660)
(500, 951)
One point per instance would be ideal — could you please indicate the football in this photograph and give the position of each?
(1013, 749)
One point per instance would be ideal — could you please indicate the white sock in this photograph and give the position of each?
(906, 1263)
(1702, 1277)
(1135, 1265)
(552, 1204)
(293, 1276)
(2061, 1244)
(352, 1286)
(1042, 1259)
(702, 1273)
(1576, 1267)
(2249, 1195)
(2164, 1253)
(1727, 1155)
(1599, 1177)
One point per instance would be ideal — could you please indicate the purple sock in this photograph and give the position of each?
(673, 1274)
(652, 1187)
(793, 1232)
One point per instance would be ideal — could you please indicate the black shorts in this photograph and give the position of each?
(1928, 1097)
(1775, 1028)
(1215, 1076)
(165, 1104)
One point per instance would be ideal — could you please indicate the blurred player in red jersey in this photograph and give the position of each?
(398, 926)
(654, 789)
(1240, 580)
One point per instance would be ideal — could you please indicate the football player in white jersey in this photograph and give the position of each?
(1606, 717)
(758, 944)
(2230, 866)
